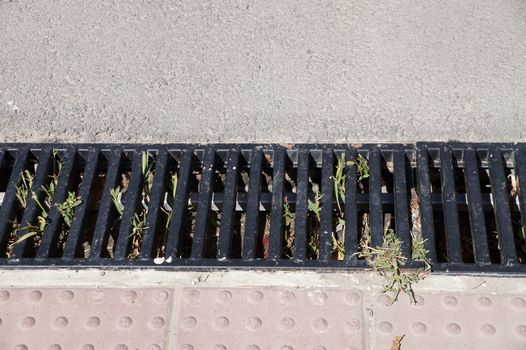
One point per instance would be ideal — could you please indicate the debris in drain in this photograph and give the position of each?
(265, 206)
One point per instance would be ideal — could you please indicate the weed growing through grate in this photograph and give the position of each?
(288, 218)
(314, 232)
(66, 208)
(388, 261)
(139, 223)
(23, 190)
(167, 208)
(139, 220)
(362, 172)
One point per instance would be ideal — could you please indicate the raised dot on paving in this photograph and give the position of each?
(452, 320)
(222, 322)
(487, 330)
(85, 318)
(153, 347)
(93, 322)
(27, 322)
(419, 301)
(318, 297)
(224, 296)
(255, 296)
(520, 331)
(320, 324)
(453, 328)
(383, 300)
(129, 297)
(352, 298)
(192, 296)
(189, 322)
(287, 323)
(34, 296)
(286, 297)
(419, 328)
(352, 326)
(124, 322)
(254, 323)
(385, 327)
(518, 303)
(161, 296)
(450, 301)
(66, 296)
(4, 296)
(484, 302)
(96, 296)
(261, 318)
(60, 322)
(156, 322)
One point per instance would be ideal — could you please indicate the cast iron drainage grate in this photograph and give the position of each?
(258, 206)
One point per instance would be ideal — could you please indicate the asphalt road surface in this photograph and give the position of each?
(262, 71)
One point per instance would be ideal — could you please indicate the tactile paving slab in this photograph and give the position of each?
(84, 319)
(270, 318)
(452, 321)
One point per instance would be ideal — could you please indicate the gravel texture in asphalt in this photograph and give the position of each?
(262, 71)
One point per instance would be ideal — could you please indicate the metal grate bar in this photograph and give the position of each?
(351, 207)
(252, 216)
(375, 198)
(451, 179)
(501, 199)
(131, 202)
(156, 203)
(180, 206)
(106, 209)
(401, 201)
(327, 195)
(73, 248)
(520, 173)
(44, 164)
(51, 236)
(424, 194)
(300, 218)
(450, 206)
(9, 202)
(229, 206)
(203, 206)
(276, 215)
(475, 208)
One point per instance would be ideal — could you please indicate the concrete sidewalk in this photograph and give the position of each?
(262, 71)
(154, 310)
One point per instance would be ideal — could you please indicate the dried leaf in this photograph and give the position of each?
(397, 342)
(415, 214)
(125, 182)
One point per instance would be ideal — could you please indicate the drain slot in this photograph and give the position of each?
(261, 205)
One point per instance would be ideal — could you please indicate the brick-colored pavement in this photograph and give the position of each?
(151, 310)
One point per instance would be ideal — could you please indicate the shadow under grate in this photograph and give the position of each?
(261, 206)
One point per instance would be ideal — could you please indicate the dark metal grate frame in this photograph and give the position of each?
(458, 185)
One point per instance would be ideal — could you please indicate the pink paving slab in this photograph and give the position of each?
(452, 321)
(270, 318)
(84, 319)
